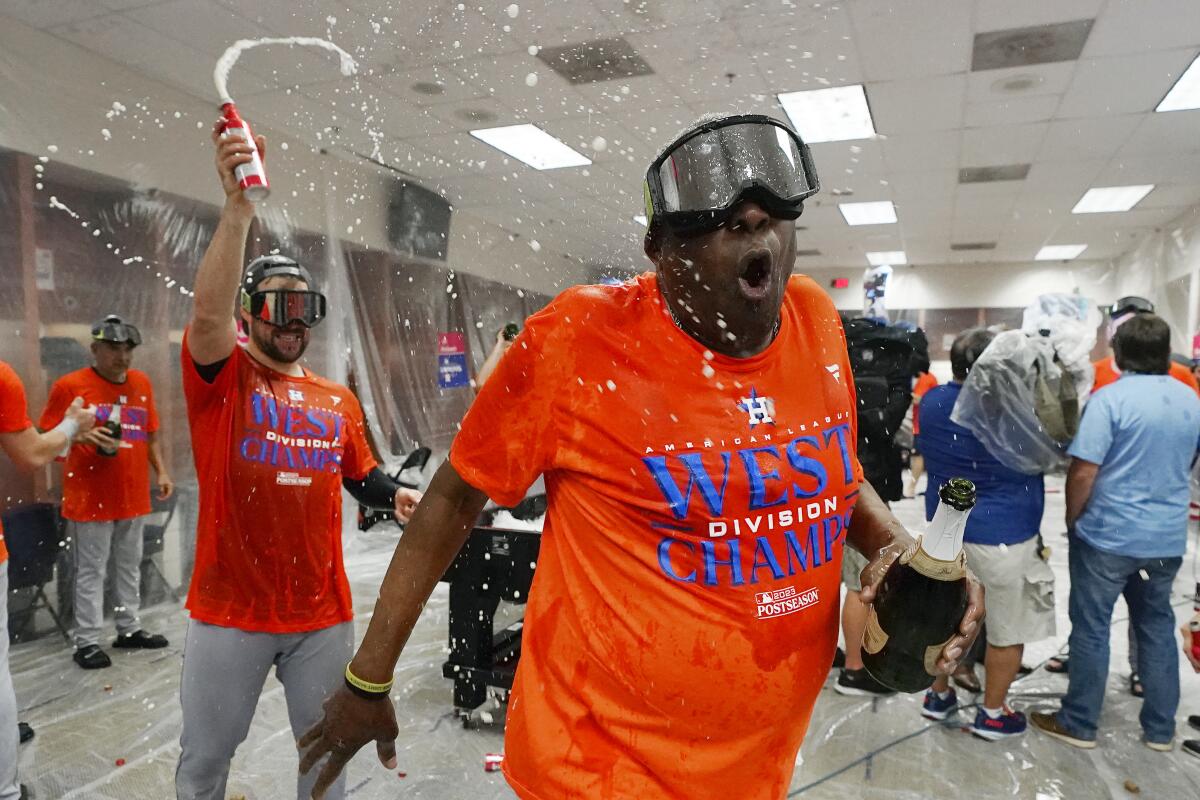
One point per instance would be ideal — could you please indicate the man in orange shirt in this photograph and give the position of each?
(273, 444)
(1106, 368)
(29, 450)
(696, 428)
(106, 488)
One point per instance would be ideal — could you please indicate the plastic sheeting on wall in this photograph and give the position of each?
(1165, 268)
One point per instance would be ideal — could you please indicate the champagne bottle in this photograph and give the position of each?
(112, 426)
(921, 599)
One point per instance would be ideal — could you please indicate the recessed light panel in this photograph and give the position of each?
(532, 145)
(877, 213)
(829, 115)
(1060, 252)
(1185, 93)
(889, 257)
(1111, 198)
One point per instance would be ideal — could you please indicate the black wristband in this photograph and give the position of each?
(364, 694)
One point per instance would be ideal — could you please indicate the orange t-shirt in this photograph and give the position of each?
(270, 453)
(925, 381)
(1107, 372)
(98, 488)
(684, 612)
(13, 419)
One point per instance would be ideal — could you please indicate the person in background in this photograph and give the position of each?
(1191, 645)
(1001, 544)
(504, 340)
(274, 445)
(29, 450)
(922, 383)
(106, 488)
(1127, 521)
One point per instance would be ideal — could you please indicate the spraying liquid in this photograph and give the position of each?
(252, 176)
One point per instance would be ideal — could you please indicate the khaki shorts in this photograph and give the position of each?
(853, 563)
(1019, 591)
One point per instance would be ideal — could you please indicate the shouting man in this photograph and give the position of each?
(274, 444)
(696, 428)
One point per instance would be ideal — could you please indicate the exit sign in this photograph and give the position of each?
(840, 283)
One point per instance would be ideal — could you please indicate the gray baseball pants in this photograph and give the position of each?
(92, 543)
(224, 670)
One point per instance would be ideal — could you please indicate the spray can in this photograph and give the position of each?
(1194, 627)
(252, 176)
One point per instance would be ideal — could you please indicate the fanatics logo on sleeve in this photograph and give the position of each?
(782, 602)
(759, 409)
(835, 370)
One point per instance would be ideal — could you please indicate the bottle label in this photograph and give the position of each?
(935, 568)
(874, 636)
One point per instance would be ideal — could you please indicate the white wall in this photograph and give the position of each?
(57, 100)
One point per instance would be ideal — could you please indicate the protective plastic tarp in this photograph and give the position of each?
(999, 400)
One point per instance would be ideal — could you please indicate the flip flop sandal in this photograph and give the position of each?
(1135, 686)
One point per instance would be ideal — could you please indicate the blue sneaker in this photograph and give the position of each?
(1009, 723)
(937, 708)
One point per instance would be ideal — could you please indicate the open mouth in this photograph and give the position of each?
(755, 277)
(289, 338)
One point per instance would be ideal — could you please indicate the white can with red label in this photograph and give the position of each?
(252, 176)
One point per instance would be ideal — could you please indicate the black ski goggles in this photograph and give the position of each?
(115, 331)
(281, 307)
(697, 182)
(1130, 305)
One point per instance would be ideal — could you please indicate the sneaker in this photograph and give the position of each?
(1191, 747)
(1194, 721)
(140, 640)
(1009, 723)
(839, 659)
(92, 657)
(1048, 724)
(1162, 747)
(858, 682)
(937, 708)
(25, 731)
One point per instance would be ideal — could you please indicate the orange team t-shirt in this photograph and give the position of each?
(13, 419)
(270, 453)
(1107, 372)
(99, 488)
(925, 381)
(684, 610)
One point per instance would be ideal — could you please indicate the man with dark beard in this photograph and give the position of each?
(273, 444)
(696, 429)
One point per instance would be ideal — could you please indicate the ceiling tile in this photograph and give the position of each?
(1011, 111)
(436, 84)
(1007, 144)
(1172, 132)
(1123, 84)
(936, 37)
(1138, 26)
(1179, 196)
(1070, 177)
(930, 150)
(928, 104)
(1078, 139)
(993, 16)
(998, 85)
(47, 13)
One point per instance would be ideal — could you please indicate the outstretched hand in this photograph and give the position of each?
(904, 544)
(349, 723)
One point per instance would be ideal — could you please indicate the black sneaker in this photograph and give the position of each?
(839, 659)
(92, 657)
(858, 682)
(1194, 721)
(26, 732)
(1191, 747)
(140, 640)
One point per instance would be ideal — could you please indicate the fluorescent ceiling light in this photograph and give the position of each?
(889, 257)
(1186, 91)
(640, 219)
(533, 146)
(877, 213)
(829, 115)
(1111, 198)
(1060, 252)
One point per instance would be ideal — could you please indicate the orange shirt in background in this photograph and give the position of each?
(13, 419)
(270, 452)
(684, 612)
(925, 381)
(100, 488)
(1107, 372)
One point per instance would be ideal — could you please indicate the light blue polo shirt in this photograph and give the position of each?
(1144, 432)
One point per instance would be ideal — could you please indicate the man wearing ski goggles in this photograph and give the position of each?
(279, 307)
(1107, 372)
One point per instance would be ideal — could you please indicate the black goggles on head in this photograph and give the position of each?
(696, 183)
(1130, 305)
(113, 330)
(281, 307)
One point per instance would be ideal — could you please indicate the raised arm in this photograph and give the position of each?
(211, 334)
(438, 529)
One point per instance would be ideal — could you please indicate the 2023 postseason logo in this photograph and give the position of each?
(782, 602)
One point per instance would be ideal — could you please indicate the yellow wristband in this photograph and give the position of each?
(367, 686)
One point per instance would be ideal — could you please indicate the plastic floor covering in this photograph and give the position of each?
(114, 733)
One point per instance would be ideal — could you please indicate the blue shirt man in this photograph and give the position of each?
(1143, 431)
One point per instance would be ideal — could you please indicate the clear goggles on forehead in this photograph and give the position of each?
(281, 307)
(117, 333)
(697, 182)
